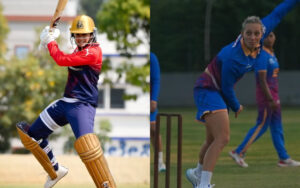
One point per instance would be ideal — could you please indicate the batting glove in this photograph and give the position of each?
(48, 35)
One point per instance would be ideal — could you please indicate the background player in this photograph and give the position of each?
(214, 94)
(269, 111)
(77, 107)
(154, 92)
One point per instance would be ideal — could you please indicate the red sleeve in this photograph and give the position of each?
(88, 56)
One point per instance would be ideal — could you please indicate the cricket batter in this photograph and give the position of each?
(77, 107)
(214, 93)
(154, 87)
(269, 112)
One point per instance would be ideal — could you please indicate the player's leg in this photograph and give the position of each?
(194, 174)
(209, 103)
(81, 117)
(217, 125)
(278, 140)
(36, 141)
(161, 164)
(262, 123)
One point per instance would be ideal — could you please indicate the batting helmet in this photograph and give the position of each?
(82, 24)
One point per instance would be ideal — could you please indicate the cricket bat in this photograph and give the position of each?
(58, 12)
(56, 17)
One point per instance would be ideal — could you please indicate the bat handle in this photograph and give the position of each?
(54, 23)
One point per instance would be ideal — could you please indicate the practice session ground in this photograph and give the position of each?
(262, 158)
(23, 171)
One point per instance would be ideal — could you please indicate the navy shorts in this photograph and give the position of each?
(208, 101)
(79, 115)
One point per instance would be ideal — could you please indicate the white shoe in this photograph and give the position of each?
(239, 160)
(288, 163)
(206, 186)
(61, 172)
(161, 167)
(193, 177)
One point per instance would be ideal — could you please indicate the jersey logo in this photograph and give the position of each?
(87, 52)
(248, 66)
(79, 25)
(271, 61)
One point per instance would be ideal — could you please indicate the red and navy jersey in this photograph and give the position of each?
(84, 67)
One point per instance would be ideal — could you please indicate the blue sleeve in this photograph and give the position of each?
(229, 78)
(274, 18)
(262, 61)
(154, 77)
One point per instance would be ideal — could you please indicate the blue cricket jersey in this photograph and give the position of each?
(154, 77)
(232, 62)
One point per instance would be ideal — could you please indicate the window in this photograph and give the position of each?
(116, 98)
(111, 98)
(101, 98)
(21, 51)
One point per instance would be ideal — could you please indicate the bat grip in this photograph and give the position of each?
(54, 23)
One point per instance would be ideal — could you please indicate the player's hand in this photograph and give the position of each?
(273, 104)
(239, 111)
(48, 35)
(153, 106)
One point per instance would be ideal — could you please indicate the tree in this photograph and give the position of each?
(90, 7)
(27, 86)
(123, 21)
(127, 22)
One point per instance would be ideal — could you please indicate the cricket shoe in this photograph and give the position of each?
(61, 172)
(192, 176)
(288, 163)
(161, 167)
(238, 159)
(206, 186)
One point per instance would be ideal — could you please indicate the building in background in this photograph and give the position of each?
(129, 119)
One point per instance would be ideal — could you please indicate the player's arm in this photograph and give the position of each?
(82, 57)
(229, 78)
(274, 18)
(262, 77)
(155, 81)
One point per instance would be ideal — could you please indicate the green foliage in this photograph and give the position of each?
(27, 86)
(90, 8)
(135, 75)
(121, 20)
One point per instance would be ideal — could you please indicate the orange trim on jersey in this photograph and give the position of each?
(256, 132)
(270, 51)
(248, 52)
(262, 71)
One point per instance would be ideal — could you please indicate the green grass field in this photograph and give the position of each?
(261, 156)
